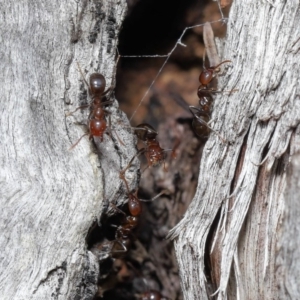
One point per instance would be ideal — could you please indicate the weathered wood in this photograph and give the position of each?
(227, 241)
(287, 260)
(51, 196)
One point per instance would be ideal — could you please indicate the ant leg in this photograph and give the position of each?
(109, 122)
(122, 172)
(74, 145)
(82, 75)
(109, 119)
(79, 107)
(117, 208)
(122, 176)
(165, 150)
(107, 102)
(122, 249)
(154, 198)
(140, 151)
(145, 169)
(119, 139)
(110, 129)
(205, 92)
(105, 92)
(203, 60)
(216, 132)
(203, 122)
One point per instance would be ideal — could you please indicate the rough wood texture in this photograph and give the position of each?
(50, 196)
(288, 258)
(227, 242)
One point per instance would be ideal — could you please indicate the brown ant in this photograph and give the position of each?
(97, 123)
(153, 152)
(124, 231)
(202, 113)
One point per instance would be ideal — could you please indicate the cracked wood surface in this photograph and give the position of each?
(50, 196)
(234, 240)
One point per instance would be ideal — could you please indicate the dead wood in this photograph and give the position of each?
(227, 242)
(50, 196)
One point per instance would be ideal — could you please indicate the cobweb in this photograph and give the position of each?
(167, 56)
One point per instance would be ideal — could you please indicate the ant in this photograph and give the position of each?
(153, 152)
(202, 113)
(97, 123)
(124, 231)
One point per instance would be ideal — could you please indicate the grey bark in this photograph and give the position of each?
(50, 196)
(243, 218)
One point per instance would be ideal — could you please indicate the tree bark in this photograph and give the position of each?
(238, 238)
(50, 196)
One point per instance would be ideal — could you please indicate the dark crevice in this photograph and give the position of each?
(57, 276)
(266, 149)
(153, 26)
(282, 162)
(240, 163)
(212, 285)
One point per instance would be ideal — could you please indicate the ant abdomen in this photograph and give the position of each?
(134, 205)
(201, 129)
(97, 127)
(97, 84)
(154, 154)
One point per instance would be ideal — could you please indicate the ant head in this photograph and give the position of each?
(207, 75)
(145, 132)
(97, 84)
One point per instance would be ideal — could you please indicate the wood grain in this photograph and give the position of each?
(226, 242)
(51, 196)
